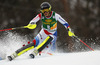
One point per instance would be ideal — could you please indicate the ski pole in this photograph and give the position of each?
(13, 28)
(82, 42)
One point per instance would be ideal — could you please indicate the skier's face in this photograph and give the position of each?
(47, 14)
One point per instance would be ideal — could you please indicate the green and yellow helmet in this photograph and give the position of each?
(46, 6)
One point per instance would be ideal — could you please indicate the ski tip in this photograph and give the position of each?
(10, 58)
(32, 56)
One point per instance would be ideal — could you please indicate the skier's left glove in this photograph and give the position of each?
(31, 26)
(70, 33)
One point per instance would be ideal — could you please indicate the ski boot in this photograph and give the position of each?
(13, 56)
(34, 53)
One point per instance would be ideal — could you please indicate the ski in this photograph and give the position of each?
(10, 58)
(13, 56)
(32, 56)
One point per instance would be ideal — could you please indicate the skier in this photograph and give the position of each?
(48, 33)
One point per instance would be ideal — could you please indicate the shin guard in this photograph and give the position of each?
(44, 43)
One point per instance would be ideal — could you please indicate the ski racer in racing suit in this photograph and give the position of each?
(48, 33)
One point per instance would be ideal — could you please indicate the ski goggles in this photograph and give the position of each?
(45, 10)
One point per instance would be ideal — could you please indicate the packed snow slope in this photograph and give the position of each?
(80, 58)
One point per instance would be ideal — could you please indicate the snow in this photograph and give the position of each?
(78, 58)
(15, 41)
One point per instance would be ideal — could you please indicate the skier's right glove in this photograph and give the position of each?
(70, 33)
(31, 26)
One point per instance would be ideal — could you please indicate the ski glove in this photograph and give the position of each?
(70, 33)
(31, 26)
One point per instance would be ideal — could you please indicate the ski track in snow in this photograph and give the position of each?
(80, 58)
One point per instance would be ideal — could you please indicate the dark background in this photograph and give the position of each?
(83, 17)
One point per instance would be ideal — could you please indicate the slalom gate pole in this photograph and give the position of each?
(13, 28)
(82, 42)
